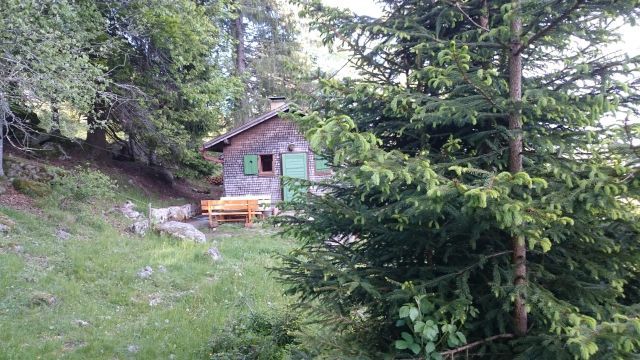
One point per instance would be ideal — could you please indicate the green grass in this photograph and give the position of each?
(93, 276)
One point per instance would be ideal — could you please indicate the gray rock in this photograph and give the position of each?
(128, 210)
(214, 253)
(4, 228)
(133, 348)
(146, 272)
(178, 213)
(81, 323)
(139, 227)
(62, 235)
(181, 231)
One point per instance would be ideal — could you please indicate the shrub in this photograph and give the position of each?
(257, 337)
(31, 188)
(83, 184)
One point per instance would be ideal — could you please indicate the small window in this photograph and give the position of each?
(266, 165)
(322, 165)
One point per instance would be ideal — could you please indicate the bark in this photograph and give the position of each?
(2, 116)
(484, 19)
(241, 63)
(55, 121)
(96, 135)
(515, 162)
(4, 112)
(238, 33)
(96, 140)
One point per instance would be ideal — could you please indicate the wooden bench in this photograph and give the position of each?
(230, 210)
(264, 201)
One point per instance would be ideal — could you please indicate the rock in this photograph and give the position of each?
(146, 272)
(4, 228)
(12, 247)
(139, 227)
(178, 213)
(3, 189)
(133, 348)
(200, 222)
(181, 231)
(31, 188)
(154, 300)
(162, 269)
(62, 234)
(81, 323)
(43, 298)
(214, 254)
(128, 210)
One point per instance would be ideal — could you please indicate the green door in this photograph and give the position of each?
(294, 165)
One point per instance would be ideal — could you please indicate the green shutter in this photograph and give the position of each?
(251, 164)
(321, 163)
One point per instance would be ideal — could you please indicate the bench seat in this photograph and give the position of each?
(230, 210)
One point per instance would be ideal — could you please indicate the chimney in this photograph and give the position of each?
(276, 102)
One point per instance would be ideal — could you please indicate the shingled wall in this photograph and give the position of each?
(270, 137)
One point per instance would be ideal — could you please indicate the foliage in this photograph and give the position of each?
(84, 184)
(46, 66)
(423, 203)
(31, 187)
(271, 61)
(260, 336)
(167, 91)
(194, 166)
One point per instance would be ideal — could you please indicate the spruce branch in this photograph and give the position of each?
(453, 352)
(553, 24)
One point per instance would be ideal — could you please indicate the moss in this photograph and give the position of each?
(31, 188)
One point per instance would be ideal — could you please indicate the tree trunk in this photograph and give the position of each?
(238, 33)
(96, 135)
(4, 112)
(484, 19)
(55, 122)
(241, 65)
(515, 162)
(2, 116)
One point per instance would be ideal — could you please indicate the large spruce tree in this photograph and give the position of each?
(485, 197)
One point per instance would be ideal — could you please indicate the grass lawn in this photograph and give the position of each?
(103, 309)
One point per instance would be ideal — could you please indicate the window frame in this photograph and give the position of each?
(266, 173)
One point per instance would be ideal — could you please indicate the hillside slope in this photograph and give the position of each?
(70, 284)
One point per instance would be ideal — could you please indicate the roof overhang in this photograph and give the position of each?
(221, 141)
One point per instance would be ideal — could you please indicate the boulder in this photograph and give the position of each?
(62, 234)
(146, 272)
(128, 210)
(214, 253)
(178, 213)
(181, 231)
(139, 227)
